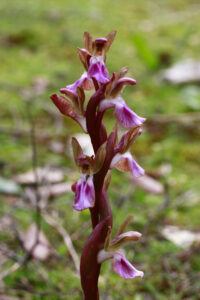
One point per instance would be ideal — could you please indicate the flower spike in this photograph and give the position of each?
(110, 150)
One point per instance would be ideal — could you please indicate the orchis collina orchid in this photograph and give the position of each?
(112, 250)
(95, 171)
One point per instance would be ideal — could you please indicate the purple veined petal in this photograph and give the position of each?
(124, 268)
(136, 170)
(125, 162)
(125, 116)
(84, 81)
(85, 193)
(97, 69)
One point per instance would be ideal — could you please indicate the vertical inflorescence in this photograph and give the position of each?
(110, 152)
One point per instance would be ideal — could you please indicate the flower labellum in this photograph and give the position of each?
(97, 69)
(85, 193)
(123, 267)
(124, 115)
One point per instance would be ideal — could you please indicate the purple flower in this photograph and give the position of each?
(97, 69)
(125, 162)
(124, 115)
(112, 250)
(123, 267)
(85, 193)
(84, 81)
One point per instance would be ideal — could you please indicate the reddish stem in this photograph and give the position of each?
(101, 214)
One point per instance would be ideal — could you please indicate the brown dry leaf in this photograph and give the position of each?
(44, 175)
(42, 250)
(148, 184)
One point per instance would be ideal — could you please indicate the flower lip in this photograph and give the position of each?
(124, 268)
(97, 69)
(85, 193)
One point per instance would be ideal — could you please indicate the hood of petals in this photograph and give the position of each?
(124, 238)
(85, 193)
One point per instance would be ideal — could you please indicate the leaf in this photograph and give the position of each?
(144, 51)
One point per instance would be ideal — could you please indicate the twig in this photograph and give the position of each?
(13, 268)
(54, 222)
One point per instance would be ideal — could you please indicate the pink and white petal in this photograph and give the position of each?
(125, 163)
(120, 84)
(135, 169)
(126, 117)
(124, 268)
(83, 81)
(85, 193)
(97, 69)
(122, 239)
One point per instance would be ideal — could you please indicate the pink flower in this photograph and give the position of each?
(85, 193)
(112, 250)
(97, 69)
(124, 115)
(84, 81)
(125, 162)
(123, 267)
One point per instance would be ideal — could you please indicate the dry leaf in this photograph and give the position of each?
(42, 250)
(44, 175)
(180, 237)
(186, 71)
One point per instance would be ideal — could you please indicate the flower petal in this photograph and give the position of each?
(123, 267)
(125, 116)
(84, 81)
(120, 84)
(85, 193)
(97, 69)
(125, 163)
(126, 237)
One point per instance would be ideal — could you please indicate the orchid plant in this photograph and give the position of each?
(110, 151)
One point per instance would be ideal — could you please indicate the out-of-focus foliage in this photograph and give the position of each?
(38, 42)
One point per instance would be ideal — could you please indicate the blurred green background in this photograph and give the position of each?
(38, 42)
